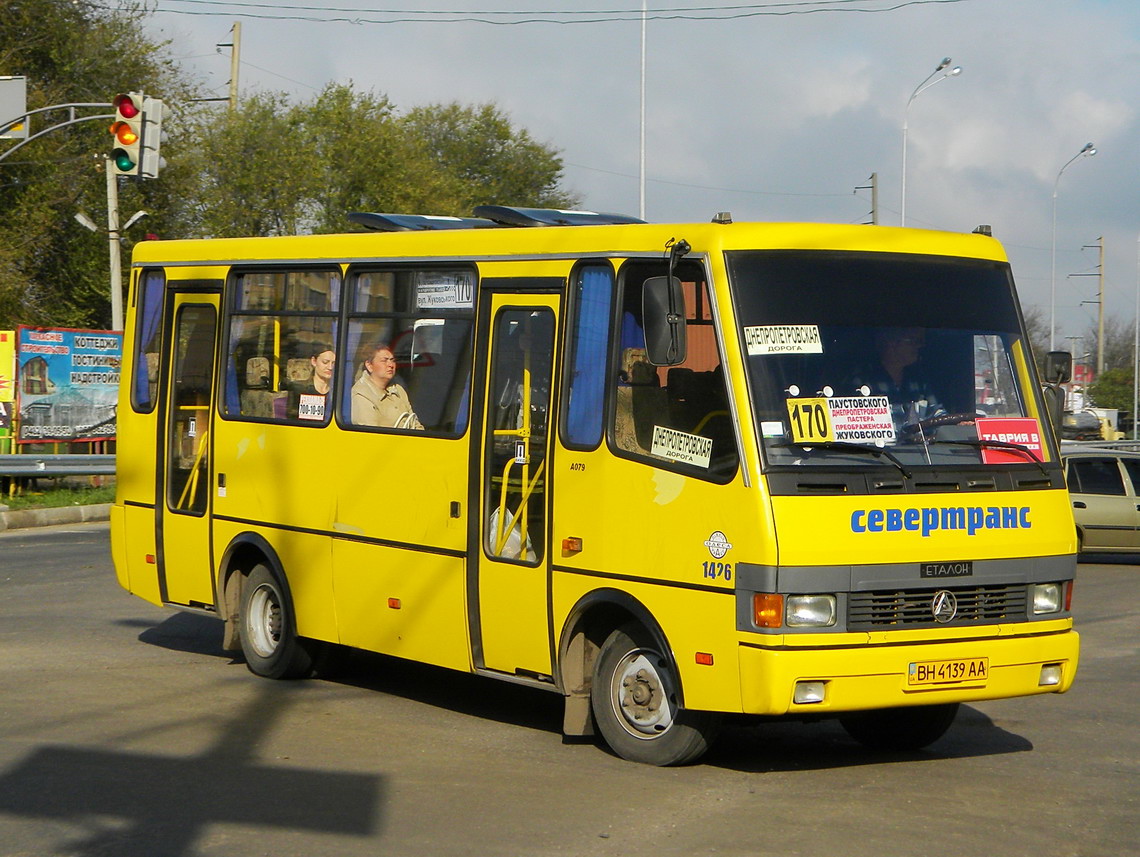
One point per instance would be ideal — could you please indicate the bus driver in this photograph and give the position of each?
(376, 399)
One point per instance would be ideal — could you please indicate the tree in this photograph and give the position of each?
(1118, 343)
(1113, 389)
(371, 162)
(252, 171)
(490, 161)
(52, 271)
(270, 167)
(1037, 328)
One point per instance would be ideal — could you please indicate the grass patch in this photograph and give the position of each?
(58, 495)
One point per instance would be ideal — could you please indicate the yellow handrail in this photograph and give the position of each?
(192, 483)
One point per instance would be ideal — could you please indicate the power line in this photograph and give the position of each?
(276, 11)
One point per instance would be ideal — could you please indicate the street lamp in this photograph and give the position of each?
(926, 84)
(1087, 152)
(115, 239)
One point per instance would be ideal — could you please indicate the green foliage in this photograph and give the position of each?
(52, 271)
(269, 167)
(51, 494)
(1113, 389)
(488, 160)
(275, 168)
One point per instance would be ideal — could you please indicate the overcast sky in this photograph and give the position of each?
(769, 110)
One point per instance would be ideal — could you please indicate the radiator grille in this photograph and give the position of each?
(977, 605)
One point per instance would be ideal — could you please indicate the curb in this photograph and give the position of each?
(24, 518)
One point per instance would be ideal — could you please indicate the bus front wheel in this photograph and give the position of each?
(269, 638)
(900, 729)
(634, 700)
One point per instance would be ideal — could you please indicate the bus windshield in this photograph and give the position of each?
(873, 359)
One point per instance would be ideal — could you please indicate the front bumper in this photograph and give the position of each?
(874, 675)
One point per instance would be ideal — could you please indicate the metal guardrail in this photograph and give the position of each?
(1129, 445)
(57, 465)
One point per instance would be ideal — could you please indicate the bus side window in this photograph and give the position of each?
(675, 416)
(282, 328)
(148, 341)
(422, 319)
(585, 397)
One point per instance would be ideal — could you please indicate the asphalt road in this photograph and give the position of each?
(126, 731)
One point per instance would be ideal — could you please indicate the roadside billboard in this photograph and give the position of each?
(7, 379)
(68, 382)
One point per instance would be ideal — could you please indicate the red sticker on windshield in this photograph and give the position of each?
(1024, 431)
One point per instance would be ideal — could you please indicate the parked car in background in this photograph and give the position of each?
(1080, 425)
(1104, 486)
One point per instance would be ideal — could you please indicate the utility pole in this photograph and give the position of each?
(1100, 306)
(874, 188)
(113, 243)
(1099, 302)
(235, 63)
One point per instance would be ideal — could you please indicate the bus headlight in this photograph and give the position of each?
(1046, 598)
(810, 611)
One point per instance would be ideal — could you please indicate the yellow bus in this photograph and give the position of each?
(670, 472)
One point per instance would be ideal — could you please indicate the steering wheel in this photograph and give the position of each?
(931, 423)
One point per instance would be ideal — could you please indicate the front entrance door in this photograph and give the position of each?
(184, 519)
(512, 555)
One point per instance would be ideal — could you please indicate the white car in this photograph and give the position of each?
(1104, 485)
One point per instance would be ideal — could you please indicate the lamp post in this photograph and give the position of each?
(926, 84)
(1087, 152)
(115, 240)
(641, 147)
(1136, 347)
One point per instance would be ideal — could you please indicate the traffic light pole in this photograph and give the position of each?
(113, 243)
(55, 127)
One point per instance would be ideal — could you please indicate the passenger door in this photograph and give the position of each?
(509, 551)
(1104, 503)
(183, 538)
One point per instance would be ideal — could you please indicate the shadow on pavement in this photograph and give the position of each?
(185, 632)
(140, 805)
(745, 744)
(789, 745)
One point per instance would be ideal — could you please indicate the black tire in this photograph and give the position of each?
(634, 700)
(269, 638)
(900, 729)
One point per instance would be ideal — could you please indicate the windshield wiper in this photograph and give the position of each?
(843, 446)
(999, 444)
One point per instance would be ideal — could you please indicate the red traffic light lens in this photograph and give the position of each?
(125, 106)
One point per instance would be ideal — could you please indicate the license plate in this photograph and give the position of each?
(974, 670)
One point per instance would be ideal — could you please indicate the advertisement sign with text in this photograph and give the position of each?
(68, 382)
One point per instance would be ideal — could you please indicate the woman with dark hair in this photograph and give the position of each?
(307, 402)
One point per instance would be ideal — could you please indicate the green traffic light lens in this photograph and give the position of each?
(122, 160)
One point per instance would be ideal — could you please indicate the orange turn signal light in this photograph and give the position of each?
(394, 603)
(768, 610)
(571, 544)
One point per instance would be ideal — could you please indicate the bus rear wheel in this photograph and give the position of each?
(900, 729)
(634, 700)
(269, 638)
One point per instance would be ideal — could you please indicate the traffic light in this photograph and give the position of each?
(153, 111)
(126, 153)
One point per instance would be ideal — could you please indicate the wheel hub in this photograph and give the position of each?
(264, 621)
(642, 695)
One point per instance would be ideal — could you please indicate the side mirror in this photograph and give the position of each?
(1054, 396)
(1058, 367)
(663, 314)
